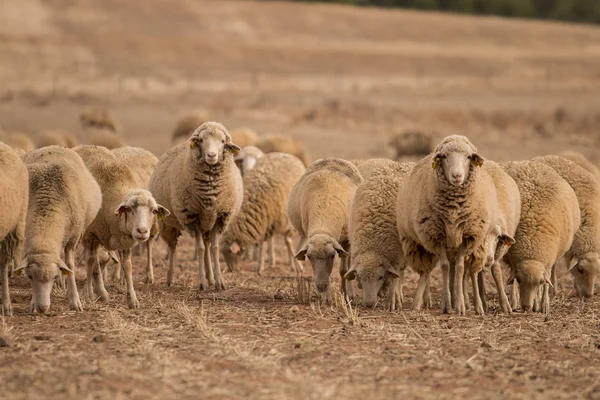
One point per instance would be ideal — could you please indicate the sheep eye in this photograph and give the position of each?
(30, 276)
(580, 269)
(381, 278)
(331, 257)
(222, 141)
(200, 140)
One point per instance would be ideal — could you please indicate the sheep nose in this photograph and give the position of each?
(142, 230)
(211, 154)
(457, 175)
(321, 287)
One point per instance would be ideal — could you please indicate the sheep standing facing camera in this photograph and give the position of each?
(199, 182)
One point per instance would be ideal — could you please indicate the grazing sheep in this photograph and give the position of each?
(375, 246)
(18, 141)
(105, 138)
(447, 210)
(318, 207)
(284, 144)
(243, 137)
(64, 199)
(247, 158)
(411, 143)
(98, 118)
(266, 190)
(141, 162)
(582, 161)
(188, 124)
(125, 218)
(549, 219)
(583, 258)
(58, 137)
(14, 193)
(199, 182)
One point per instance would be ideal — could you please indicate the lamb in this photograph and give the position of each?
(375, 245)
(125, 218)
(14, 194)
(64, 199)
(318, 207)
(411, 143)
(98, 118)
(582, 161)
(550, 217)
(583, 258)
(284, 144)
(188, 124)
(199, 182)
(58, 137)
(247, 158)
(447, 210)
(18, 141)
(243, 137)
(105, 138)
(266, 190)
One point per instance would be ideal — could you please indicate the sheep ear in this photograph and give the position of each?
(234, 148)
(573, 263)
(437, 159)
(64, 269)
(235, 247)
(113, 256)
(122, 209)
(351, 274)
(17, 271)
(476, 160)
(162, 212)
(340, 250)
(193, 143)
(547, 278)
(507, 240)
(392, 271)
(301, 255)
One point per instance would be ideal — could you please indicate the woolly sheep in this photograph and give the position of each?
(18, 141)
(98, 118)
(583, 258)
(375, 246)
(105, 138)
(14, 193)
(582, 161)
(266, 190)
(550, 217)
(243, 137)
(141, 162)
(318, 207)
(368, 166)
(125, 218)
(199, 182)
(64, 199)
(58, 137)
(284, 144)
(188, 124)
(411, 143)
(447, 210)
(247, 158)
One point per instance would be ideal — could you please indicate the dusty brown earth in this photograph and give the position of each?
(341, 79)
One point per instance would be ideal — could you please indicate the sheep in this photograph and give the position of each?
(98, 118)
(14, 195)
(582, 161)
(188, 124)
(105, 138)
(64, 199)
(246, 159)
(18, 141)
(243, 137)
(550, 218)
(141, 162)
(284, 144)
(266, 190)
(411, 143)
(59, 137)
(369, 166)
(447, 206)
(318, 208)
(199, 182)
(125, 218)
(583, 258)
(376, 255)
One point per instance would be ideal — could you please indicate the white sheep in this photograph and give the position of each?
(266, 190)
(284, 144)
(583, 258)
(550, 217)
(582, 161)
(14, 194)
(199, 182)
(370, 165)
(318, 207)
(124, 220)
(446, 208)
(64, 199)
(375, 246)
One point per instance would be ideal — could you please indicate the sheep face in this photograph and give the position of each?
(232, 253)
(454, 157)
(584, 271)
(372, 272)
(320, 251)
(209, 142)
(497, 244)
(138, 212)
(42, 270)
(531, 275)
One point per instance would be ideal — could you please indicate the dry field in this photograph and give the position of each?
(342, 79)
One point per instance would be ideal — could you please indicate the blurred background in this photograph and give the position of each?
(342, 78)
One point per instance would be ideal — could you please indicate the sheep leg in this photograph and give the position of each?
(459, 272)
(502, 298)
(271, 251)
(210, 274)
(294, 264)
(116, 275)
(514, 296)
(476, 299)
(395, 295)
(202, 283)
(261, 259)
(452, 276)
(446, 297)
(72, 293)
(256, 250)
(347, 287)
(427, 295)
(197, 240)
(421, 286)
(167, 255)
(60, 281)
(545, 303)
(89, 279)
(6, 305)
(466, 279)
(132, 300)
(172, 249)
(554, 288)
(98, 276)
(149, 266)
(219, 285)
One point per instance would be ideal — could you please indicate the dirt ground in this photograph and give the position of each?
(341, 79)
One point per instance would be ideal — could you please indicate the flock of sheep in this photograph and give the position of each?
(234, 192)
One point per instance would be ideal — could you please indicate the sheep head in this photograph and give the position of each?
(320, 250)
(373, 272)
(210, 142)
(138, 212)
(585, 270)
(530, 274)
(454, 158)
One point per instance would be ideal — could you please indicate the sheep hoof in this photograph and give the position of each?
(75, 304)
(149, 280)
(133, 302)
(7, 310)
(202, 286)
(219, 285)
(103, 295)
